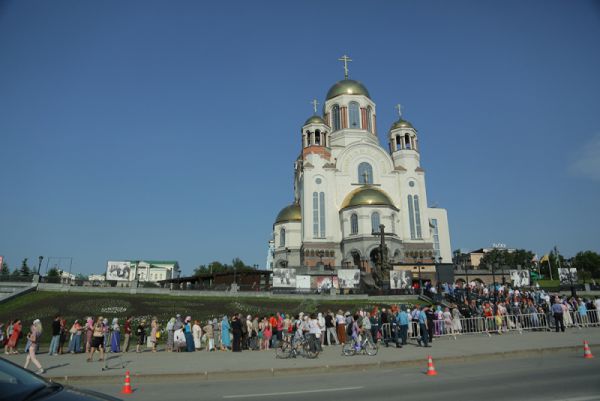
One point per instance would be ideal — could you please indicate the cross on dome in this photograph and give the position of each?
(345, 59)
(399, 108)
(315, 104)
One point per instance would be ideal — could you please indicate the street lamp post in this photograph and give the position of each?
(466, 270)
(40, 258)
(420, 260)
(494, 267)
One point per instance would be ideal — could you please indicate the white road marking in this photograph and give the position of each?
(324, 390)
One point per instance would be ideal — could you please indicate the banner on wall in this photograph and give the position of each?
(519, 278)
(303, 282)
(324, 283)
(567, 276)
(118, 270)
(400, 279)
(348, 278)
(284, 277)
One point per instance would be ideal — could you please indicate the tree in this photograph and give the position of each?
(25, 270)
(4, 272)
(54, 272)
(587, 263)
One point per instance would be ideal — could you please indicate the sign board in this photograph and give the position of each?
(400, 279)
(324, 283)
(348, 278)
(567, 276)
(118, 270)
(284, 278)
(303, 282)
(519, 278)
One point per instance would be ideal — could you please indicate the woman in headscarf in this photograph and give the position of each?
(225, 338)
(154, 333)
(210, 341)
(115, 342)
(197, 334)
(89, 330)
(217, 333)
(189, 338)
(106, 333)
(13, 339)
(236, 330)
(170, 334)
(35, 332)
(75, 343)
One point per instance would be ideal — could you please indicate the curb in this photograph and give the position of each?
(271, 372)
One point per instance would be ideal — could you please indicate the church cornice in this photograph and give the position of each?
(419, 170)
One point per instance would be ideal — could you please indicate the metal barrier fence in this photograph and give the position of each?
(493, 325)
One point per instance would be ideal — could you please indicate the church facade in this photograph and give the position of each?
(348, 189)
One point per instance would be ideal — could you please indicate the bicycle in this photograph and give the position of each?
(364, 346)
(304, 346)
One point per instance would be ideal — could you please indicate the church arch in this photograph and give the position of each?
(369, 123)
(354, 115)
(335, 117)
(317, 137)
(282, 237)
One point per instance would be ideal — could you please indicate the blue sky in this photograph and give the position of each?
(168, 129)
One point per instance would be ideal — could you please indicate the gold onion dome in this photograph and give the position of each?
(347, 87)
(289, 213)
(401, 124)
(315, 120)
(367, 196)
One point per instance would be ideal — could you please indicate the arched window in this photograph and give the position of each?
(369, 122)
(317, 137)
(282, 237)
(365, 173)
(335, 117)
(354, 115)
(393, 223)
(354, 224)
(375, 222)
(418, 217)
(407, 141)
(398, 142)
(308, 138)
(318, 214)
(411, 217)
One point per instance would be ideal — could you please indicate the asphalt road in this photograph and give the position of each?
(562, 376)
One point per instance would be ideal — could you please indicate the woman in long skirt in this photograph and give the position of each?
(115, 342)
(456, 325)
(225, 336)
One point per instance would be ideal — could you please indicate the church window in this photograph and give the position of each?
(365, 173)
(335, 115)
(375, 222)
(398, 142)
(411, 217)
(369, 123)
(354, 224)
(308, 138)
(417, 217)
(319, 214)
(282, 237)
(354, 115)
(317, 137)
(407, 141)
(393, 223)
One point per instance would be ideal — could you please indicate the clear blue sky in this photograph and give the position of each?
(168, 129)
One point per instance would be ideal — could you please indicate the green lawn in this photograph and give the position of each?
(44, 305)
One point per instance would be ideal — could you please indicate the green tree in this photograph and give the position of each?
(54, 272)
(4, 271)
(25, 270)
(587, 263)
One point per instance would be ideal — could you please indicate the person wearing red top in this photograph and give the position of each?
(11, 346)
(274, 335)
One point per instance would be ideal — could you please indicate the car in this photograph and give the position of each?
(18, 384)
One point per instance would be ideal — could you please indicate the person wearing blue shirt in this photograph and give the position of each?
(402, 321)
(557, 310)
(422, 317)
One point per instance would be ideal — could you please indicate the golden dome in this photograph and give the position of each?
(289, 213)
(315, 120)
(367, 196)
(401, 124)
(347, 87)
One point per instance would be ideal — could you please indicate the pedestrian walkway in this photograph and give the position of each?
(213, 365)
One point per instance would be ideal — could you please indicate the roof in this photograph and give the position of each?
(347, 87)
(289, 213)
(367, 196)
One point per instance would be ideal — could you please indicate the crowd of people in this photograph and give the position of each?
(466, 310)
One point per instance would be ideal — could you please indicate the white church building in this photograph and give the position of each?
(346, 184)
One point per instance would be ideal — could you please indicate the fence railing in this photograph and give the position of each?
(488, 325)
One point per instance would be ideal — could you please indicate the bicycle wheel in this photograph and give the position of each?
(370, 348)
(310, 350)
(348, 349)
(284, 351)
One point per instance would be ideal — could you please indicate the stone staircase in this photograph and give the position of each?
(10, 290)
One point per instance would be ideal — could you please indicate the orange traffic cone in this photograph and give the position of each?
(587, 353)
(127, 385)
(430, 368)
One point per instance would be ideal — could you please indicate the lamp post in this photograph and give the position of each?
(494, 267)
(438, 285)
(419, 261)
(40, 258)
(466, 270)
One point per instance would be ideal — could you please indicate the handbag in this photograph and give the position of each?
(157, 335)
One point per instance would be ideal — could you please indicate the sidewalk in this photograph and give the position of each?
(219, 365)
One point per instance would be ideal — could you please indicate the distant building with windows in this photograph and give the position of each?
(346, 184)
(153, 270)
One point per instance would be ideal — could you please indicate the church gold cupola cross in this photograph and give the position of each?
(365, 175)
(345, 59)
(399, 108)
(314, 104)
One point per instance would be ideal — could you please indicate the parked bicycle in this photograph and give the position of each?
(305, 346)
(364, 346)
